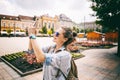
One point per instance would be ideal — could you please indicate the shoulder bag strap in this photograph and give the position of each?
(49, 49)
(61, 72)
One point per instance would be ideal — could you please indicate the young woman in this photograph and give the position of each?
(56, 56)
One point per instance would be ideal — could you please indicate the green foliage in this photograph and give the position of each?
(9, 31)
(77, 55)
(49, 32)
(98, 30)
(22, 31)
(14, 56)
(44, 29)
(82, 30)
(76, 29)
(89, 30)
(52, 29)
(26, 31)
(40, 31)
(108, 12)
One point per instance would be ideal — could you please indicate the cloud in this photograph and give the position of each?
(34, 4)
(5, 6)
(74, 9)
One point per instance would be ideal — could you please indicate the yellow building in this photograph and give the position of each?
(46, 21)
(15, 23)
(22, 23)
(49, 22)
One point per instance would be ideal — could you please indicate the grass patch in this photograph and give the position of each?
(77, 55)
(83, 48)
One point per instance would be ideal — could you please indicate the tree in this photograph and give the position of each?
(108, 15)
(76, 29)
(9, 32)
(97, 29)
(40, 31)
(52, 29)
(82, 30)
(44, 29)
(49, 31)
(26, 31)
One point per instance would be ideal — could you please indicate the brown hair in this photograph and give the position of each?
(68, 34)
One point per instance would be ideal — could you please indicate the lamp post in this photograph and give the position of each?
(14, 30)
(84, 24)
(84, 27)
(0, 26)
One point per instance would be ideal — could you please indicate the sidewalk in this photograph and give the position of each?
(98, 64)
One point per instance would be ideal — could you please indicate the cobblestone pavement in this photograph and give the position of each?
(98, 64)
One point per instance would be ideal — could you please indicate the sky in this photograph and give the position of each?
(77, 10)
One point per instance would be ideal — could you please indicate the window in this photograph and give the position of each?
(53, 25)
(49, 26)
(9, 25)
(45, 24)
(4, 24)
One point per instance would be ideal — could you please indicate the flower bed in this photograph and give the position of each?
(20, 64)
(25, 63)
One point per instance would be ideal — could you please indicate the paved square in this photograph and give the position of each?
(98, 64)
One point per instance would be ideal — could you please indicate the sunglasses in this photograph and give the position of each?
(57, 34)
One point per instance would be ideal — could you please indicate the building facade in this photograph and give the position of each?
(15, 24)
(90, 25)
(21, 23)
(65, 21)
(49, 22)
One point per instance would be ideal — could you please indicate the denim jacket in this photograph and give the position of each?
(54, 61)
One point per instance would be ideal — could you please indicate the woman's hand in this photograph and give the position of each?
(32, 31)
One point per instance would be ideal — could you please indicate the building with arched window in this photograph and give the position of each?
(22, 23)
(15, 23)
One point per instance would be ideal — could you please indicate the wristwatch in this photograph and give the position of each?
(32, 36)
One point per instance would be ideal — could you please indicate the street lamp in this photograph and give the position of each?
(14, 30)
(84, 24)
(0, 26)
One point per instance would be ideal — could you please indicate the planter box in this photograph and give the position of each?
(19, 64)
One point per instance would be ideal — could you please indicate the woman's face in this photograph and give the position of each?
(58, 37)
